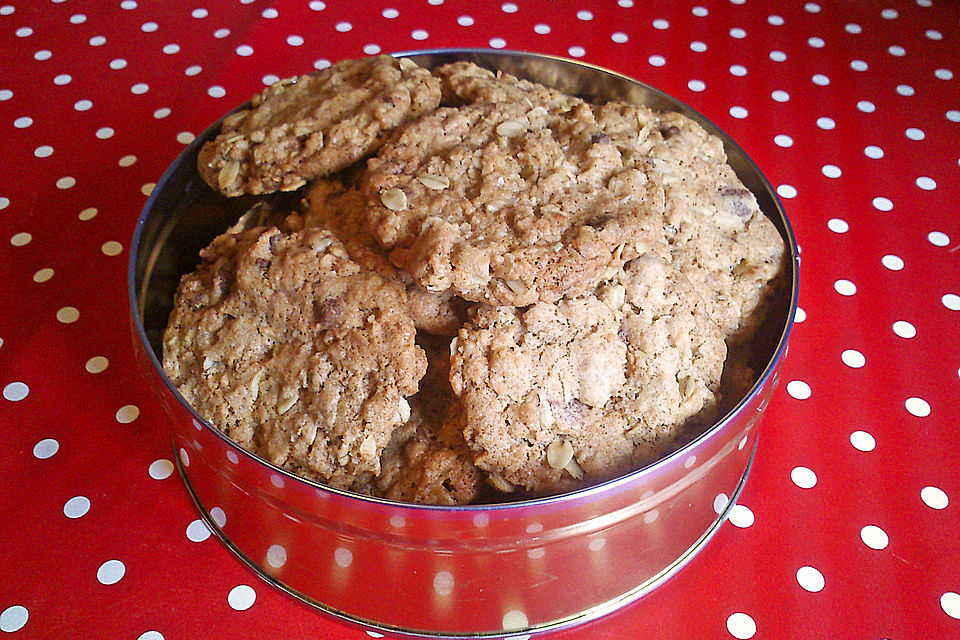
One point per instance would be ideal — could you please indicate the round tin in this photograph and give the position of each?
(471, 571)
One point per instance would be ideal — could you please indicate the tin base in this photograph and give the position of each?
(583, 617)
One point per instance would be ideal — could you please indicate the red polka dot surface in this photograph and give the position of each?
(851, 111)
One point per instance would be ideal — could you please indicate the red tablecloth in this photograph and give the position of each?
(848, 524)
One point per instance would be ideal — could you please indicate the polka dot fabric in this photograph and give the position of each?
(852, 110)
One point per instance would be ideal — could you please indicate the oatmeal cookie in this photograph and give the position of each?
(316, 124)
(719, 238)
(506, 204)
(332, 205)
(465, 82)
(295, 351)
(587, 387)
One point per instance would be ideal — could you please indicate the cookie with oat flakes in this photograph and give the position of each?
(587, 387)
(295, 351)
(507, 204)
(465, 82)
(314, 125)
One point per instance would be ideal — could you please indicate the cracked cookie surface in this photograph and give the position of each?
(316, 124)
(506, 204)
(295, 351)
(591, 386)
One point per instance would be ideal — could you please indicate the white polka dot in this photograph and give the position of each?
(741, 626)
(221, 33)
(13, 618)
(882, 204)
(389, 13)
(198, 531)
(873, 151)
(904, 329)
(787, 191)
(853, 359)
(343, 27)
(76, 507)
(97, 364)
(128, 4)
(46, 448)
(597, 544)
(343, 557)
(542, 29)
(43, 275)
(696, 85)
(321, 63)
(837, 225)
(110, 572)
(626, 4)
(619, 37)
(371, 49)
(889, 14)
(780, 95)
(831, 171)
(577, 52)
(845, 287)
(698, 46)
(270, 79)
(852, 27)
(738, 112)
(232, 457)
(171, 48)
(858, 65)
(775, 20)
(104, 132)
(938, 238)
(269, 13)
(317, 5)
(820, 80)
(118, 63)
(24, 32)
(244, 50)
(720, 503)
(866, 106)
(218, 516)
(15, 391)
(43, 151)
(934, 497)
(127, 161)
(5, 94)
(927, 184)
(443, 583)
(657, 61)
(296, 41)
(216, 91)
(97, 41)
(798, 389)
(148, 27)
(951, 301)
(700, 12)
(82, 105)
(810, 579)
(660, 23)
(826, 123)
(815, 42)
(276, 481)
(738, 33)
(373, 634)
(241, 597)
(4, 202)
(583, 14)
(498, 43)
(892, 262)
(465, 21)
(783, 140)
(276, 556)
(917, 407)
(42, 55)
(950, 603)
(160, 469)
(514, 619)
(905, 90)
(6, 10)
(897, 50)
(127, 414)
(943, 74)
(509, 7)
(62, 79)
(915, 134)
(738, 70)
(741, 516)
(88, 214)
(803, 477)
(812, 7)
(199, 13)
(874, 537)
(21, 239)
(863, 441)
(147, 188)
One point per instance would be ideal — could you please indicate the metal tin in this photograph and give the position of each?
(473, 571)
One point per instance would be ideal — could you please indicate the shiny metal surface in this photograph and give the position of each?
(474, 571)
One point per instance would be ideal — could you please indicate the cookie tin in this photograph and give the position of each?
(489, 570)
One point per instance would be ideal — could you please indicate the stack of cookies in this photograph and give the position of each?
(492, 289)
